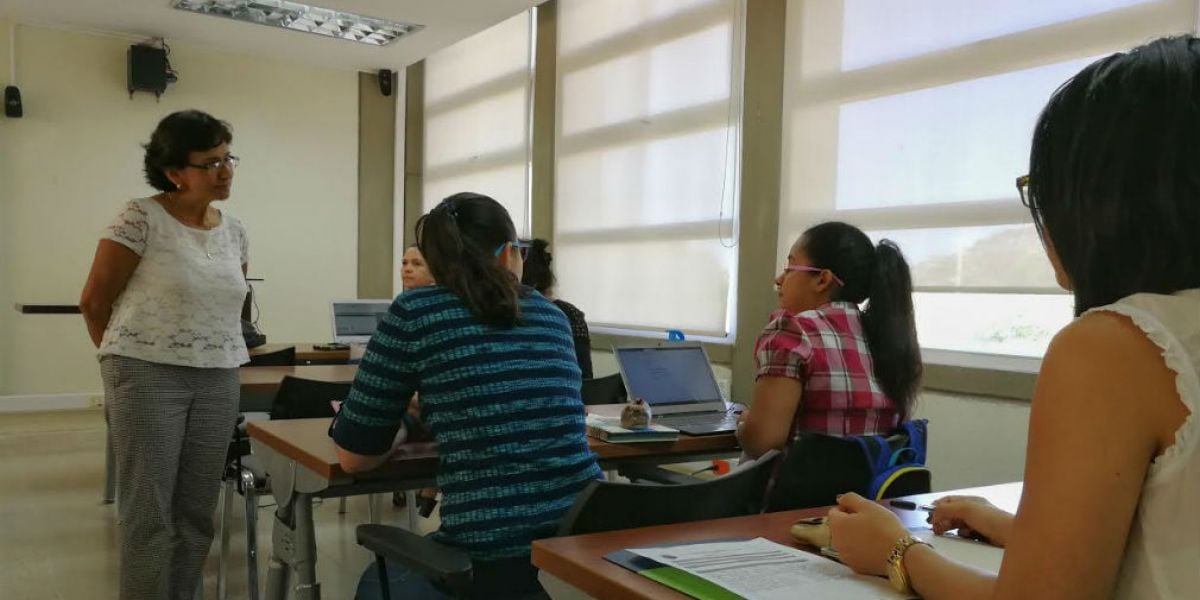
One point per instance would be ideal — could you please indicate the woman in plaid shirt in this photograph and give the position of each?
(824, 364)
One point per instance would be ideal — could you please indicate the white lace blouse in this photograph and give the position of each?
(182, 305)
(1162, 555)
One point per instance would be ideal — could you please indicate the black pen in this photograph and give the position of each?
(909, 505)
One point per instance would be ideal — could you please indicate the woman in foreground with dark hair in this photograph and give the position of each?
(499, 386)
(1112, 475)
(540, 276)
(162, 303)
(825, 365)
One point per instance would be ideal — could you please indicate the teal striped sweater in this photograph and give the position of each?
(503, 406)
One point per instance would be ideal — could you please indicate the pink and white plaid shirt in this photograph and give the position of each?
(826, 350)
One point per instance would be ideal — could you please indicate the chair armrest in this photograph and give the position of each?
(437, 561)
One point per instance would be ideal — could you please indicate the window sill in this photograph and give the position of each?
(719, 350)
(1009, 377)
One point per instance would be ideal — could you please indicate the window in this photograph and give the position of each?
(477, 103)
(913, 119)
(646, 178)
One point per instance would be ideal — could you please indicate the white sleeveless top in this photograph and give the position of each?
(1162, 555)
(183, 304)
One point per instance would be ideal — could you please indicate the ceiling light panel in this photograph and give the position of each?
(302, 17)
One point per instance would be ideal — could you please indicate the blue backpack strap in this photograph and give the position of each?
(917, 431)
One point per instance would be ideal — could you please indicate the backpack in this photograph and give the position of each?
(818, 467)
(897, 471)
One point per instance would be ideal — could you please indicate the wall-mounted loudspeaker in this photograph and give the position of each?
(387, 79)
(149, 70)
(12, 102)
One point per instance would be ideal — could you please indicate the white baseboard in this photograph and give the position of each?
(46, 402)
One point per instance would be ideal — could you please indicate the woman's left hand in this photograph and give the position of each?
(863, 533)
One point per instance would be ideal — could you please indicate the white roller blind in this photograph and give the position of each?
(647, 147)
(477, 118)
(913, 119)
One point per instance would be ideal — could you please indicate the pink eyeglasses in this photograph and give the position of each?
(803, 269)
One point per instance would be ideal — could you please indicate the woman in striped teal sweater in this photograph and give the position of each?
(495, 365)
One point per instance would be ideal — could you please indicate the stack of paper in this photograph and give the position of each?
(758, 569)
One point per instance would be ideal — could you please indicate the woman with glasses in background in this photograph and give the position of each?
(826, 364)
(495, 367)
(162, 303)
(1112, 475)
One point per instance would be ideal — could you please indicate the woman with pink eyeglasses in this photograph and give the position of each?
(825, 363)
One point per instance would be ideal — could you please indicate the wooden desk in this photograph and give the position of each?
(307, 442)
(267, 379)
(306, 353)
(579, 561)
(301, 461)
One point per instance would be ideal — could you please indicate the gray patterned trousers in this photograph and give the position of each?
(170, 428)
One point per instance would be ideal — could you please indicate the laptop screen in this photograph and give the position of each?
(669, 375)
(355, 321)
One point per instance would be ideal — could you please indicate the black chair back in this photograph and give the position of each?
(818, 467)
(306, 399)
(608, 506)
(278, 358)
(603, 390)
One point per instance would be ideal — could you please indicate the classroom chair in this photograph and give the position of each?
(296, 399)
(603, 390)
(601, 506)
(818, 467)
(279, 358)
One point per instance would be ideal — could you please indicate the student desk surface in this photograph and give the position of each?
(578, 561)
(306, 353)
(267, 379)
(302, 463)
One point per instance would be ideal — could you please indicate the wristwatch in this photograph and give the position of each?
(896, 572)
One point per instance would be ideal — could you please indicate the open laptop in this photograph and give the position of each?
(355, 320)
(677, 381)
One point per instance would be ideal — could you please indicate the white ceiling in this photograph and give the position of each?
(446, 21)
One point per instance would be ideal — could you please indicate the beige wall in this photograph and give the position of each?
(75, 158)
(6, 313)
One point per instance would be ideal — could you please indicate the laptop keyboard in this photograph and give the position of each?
(678, 421)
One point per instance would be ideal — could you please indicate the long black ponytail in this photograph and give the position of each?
(458, 239)
(879, 276)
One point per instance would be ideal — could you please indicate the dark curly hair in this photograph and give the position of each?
(537, 272)
(177, 135)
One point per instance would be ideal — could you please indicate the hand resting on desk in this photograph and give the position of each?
(974, 517)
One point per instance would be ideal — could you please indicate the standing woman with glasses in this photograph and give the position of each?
(1112, 474)
(162, 304)
(495, 367)
(824, 364)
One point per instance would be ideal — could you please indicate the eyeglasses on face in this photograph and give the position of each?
(214, 165)
(1023, 190)
(522, 247)
(804, 269)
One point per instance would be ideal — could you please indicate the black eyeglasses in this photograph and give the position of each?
(214, 165)
(1023, 190)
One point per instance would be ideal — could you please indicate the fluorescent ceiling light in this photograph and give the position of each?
(302, 17)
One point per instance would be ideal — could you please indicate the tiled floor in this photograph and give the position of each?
(58, 541)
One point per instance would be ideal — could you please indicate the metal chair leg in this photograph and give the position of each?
(251, 494)
(228, 489)
(373, 509)
(411, 497)
(381, 563)
(342, 506)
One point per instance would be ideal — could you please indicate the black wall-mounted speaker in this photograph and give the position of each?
(386, 81)
(12, 102)
(148, 70)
